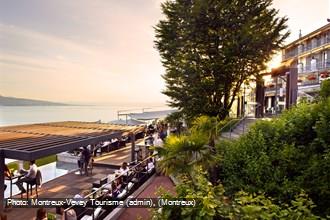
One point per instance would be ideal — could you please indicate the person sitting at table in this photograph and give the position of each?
(150, 166)
(7, 174)
(29, 176)
(124, 171)
(116, 186)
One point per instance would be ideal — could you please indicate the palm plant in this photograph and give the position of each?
(208, 126)
(181, 153)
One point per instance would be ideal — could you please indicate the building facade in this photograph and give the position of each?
(305, 64)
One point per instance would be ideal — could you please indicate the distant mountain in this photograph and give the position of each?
(12, 101)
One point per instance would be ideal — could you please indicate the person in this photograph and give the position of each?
(117, 186)
(124, 170)
(159, 142)
(41, 214)
(81, 162)
(150, 166)
(7, 174)
(81, 195)
(86, 154)
(29, 176)
(139, 155)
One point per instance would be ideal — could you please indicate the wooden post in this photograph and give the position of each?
(2, 181)
(132, 146)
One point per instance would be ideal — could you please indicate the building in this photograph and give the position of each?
(305, 64)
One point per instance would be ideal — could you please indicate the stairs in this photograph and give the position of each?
(241, 128)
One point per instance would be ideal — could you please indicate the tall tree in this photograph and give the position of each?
(210, 47)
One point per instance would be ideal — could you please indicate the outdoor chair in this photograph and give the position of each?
(35, 182)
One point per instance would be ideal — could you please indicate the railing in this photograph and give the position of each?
(303, 49)
(232, 124)
(318, 67)
(100, 190)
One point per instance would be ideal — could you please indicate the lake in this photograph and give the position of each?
(15, 115)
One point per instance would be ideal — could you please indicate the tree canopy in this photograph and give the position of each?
(210, 47)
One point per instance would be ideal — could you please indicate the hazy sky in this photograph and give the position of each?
(98, 50)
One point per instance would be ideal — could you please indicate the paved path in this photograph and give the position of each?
(240, 129)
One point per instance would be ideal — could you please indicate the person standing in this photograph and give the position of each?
(86, 154)
(29, 176)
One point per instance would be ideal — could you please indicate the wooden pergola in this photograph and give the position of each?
(33, 141)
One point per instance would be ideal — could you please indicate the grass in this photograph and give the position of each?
(41, 161)
(12, 166)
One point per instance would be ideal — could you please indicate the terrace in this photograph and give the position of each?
(30, 142)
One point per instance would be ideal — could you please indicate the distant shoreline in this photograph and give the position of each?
(13, 101)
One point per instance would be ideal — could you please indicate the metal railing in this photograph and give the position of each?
(232, 125)
(308, 47)
(318, 67)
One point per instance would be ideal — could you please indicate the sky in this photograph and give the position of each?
(99, 51)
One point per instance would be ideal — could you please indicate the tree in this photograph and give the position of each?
(210, 47)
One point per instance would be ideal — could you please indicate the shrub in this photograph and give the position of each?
(283, 156)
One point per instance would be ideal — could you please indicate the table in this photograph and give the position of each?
(15, 176)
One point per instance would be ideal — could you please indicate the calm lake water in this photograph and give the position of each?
(14, 115)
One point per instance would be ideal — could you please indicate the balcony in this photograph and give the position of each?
(306, 48)
(320, 66)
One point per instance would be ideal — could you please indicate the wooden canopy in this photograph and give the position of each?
(29, 142)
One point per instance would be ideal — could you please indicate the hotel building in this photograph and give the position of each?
(305, 64)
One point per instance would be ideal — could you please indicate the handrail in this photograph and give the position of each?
(109, 183)
(229, 123)
(233, 125)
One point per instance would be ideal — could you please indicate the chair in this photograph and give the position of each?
(35, 182)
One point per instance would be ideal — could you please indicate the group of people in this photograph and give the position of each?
(124, 178)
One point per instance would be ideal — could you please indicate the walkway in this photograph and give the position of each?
(240, 129)
(115, 158)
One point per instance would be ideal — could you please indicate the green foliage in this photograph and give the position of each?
(247, 206)
(325, 89)
(41, 161)
(13, 166)
(209, 48)
(181, 153)
(210, 200)
(212, 204)
(283, 156)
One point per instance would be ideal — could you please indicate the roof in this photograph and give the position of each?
(311, 34)
(151, 115)
(127, 122)
(33, 141)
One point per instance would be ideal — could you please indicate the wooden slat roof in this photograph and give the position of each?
(28, 142)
